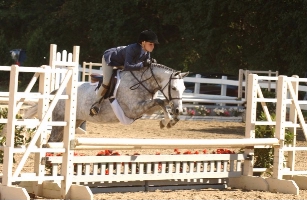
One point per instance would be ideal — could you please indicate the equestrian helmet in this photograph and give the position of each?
(148, 36)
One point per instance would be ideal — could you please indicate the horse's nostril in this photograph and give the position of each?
(177, 111)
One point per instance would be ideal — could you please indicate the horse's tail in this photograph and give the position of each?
(31, 112)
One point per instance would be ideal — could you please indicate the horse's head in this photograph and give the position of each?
(169, 82)
(173, 91)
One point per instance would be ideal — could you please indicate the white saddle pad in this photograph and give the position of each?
(116, 107)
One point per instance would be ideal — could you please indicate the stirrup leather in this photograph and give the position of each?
(105, 90)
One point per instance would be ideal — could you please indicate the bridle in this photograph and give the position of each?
(161, 89)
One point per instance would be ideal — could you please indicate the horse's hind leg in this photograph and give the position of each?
(80, 123)
(56, 134)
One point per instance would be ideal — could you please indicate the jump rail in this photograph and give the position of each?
(128, 143)
(150, 172)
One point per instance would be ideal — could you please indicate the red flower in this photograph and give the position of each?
(159, 166)
(187, 152)
(191, 112)
(226, 113)
(157, 153)
(108, 152)
(224, 151)
(107, 172)
(205, 151)
(220, 151)
(49, 154)
(100, 153)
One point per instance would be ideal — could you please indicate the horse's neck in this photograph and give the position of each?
(158, 77)
(162, 74)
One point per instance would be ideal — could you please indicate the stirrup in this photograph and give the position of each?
(94, 110)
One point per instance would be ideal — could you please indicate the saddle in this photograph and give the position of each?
(99, 78)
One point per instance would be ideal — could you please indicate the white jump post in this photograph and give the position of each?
(34, 182)
(87, 70)
(278, 182)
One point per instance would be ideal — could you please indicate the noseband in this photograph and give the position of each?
(140, 82)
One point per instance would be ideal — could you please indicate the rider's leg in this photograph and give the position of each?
(107, 74)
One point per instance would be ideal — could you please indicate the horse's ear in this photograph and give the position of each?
(184, 74)
(177, 73)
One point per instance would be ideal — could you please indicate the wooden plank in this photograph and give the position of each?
(149, 176)
(10, 135)
(174, 143)
(154, 188)
(149, 158)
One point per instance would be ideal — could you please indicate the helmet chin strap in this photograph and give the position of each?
(143, 46)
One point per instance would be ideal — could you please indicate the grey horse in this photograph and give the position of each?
(135, 95)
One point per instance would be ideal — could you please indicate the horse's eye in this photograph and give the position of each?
(173, 88)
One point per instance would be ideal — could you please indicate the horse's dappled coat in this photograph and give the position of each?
(136, 98)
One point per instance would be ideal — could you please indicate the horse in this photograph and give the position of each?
(136, 95)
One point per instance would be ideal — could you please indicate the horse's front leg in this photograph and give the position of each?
(151, 106)
(173, 121)
(167, 116)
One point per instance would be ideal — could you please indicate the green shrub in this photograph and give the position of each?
(264, 157)
(20, 131)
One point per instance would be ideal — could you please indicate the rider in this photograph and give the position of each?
(129, 58)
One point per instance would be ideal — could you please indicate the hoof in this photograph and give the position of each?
(169, 125)
(161, 124)
(172, 122)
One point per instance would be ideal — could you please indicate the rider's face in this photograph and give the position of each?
(148, 46)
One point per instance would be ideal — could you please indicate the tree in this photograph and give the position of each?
(198, 36)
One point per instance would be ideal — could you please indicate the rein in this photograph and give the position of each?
(140, 82)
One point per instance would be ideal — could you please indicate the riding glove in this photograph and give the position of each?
(153, 60)
(146, 63)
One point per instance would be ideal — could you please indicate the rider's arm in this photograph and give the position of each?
(134, 57)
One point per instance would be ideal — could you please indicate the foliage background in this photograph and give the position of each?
(197, 36)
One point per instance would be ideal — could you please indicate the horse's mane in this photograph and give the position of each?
(162, 67)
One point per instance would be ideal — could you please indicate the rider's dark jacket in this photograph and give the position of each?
(131, 57)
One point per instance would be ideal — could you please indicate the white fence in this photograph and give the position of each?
(195, 96)
(190, 97)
